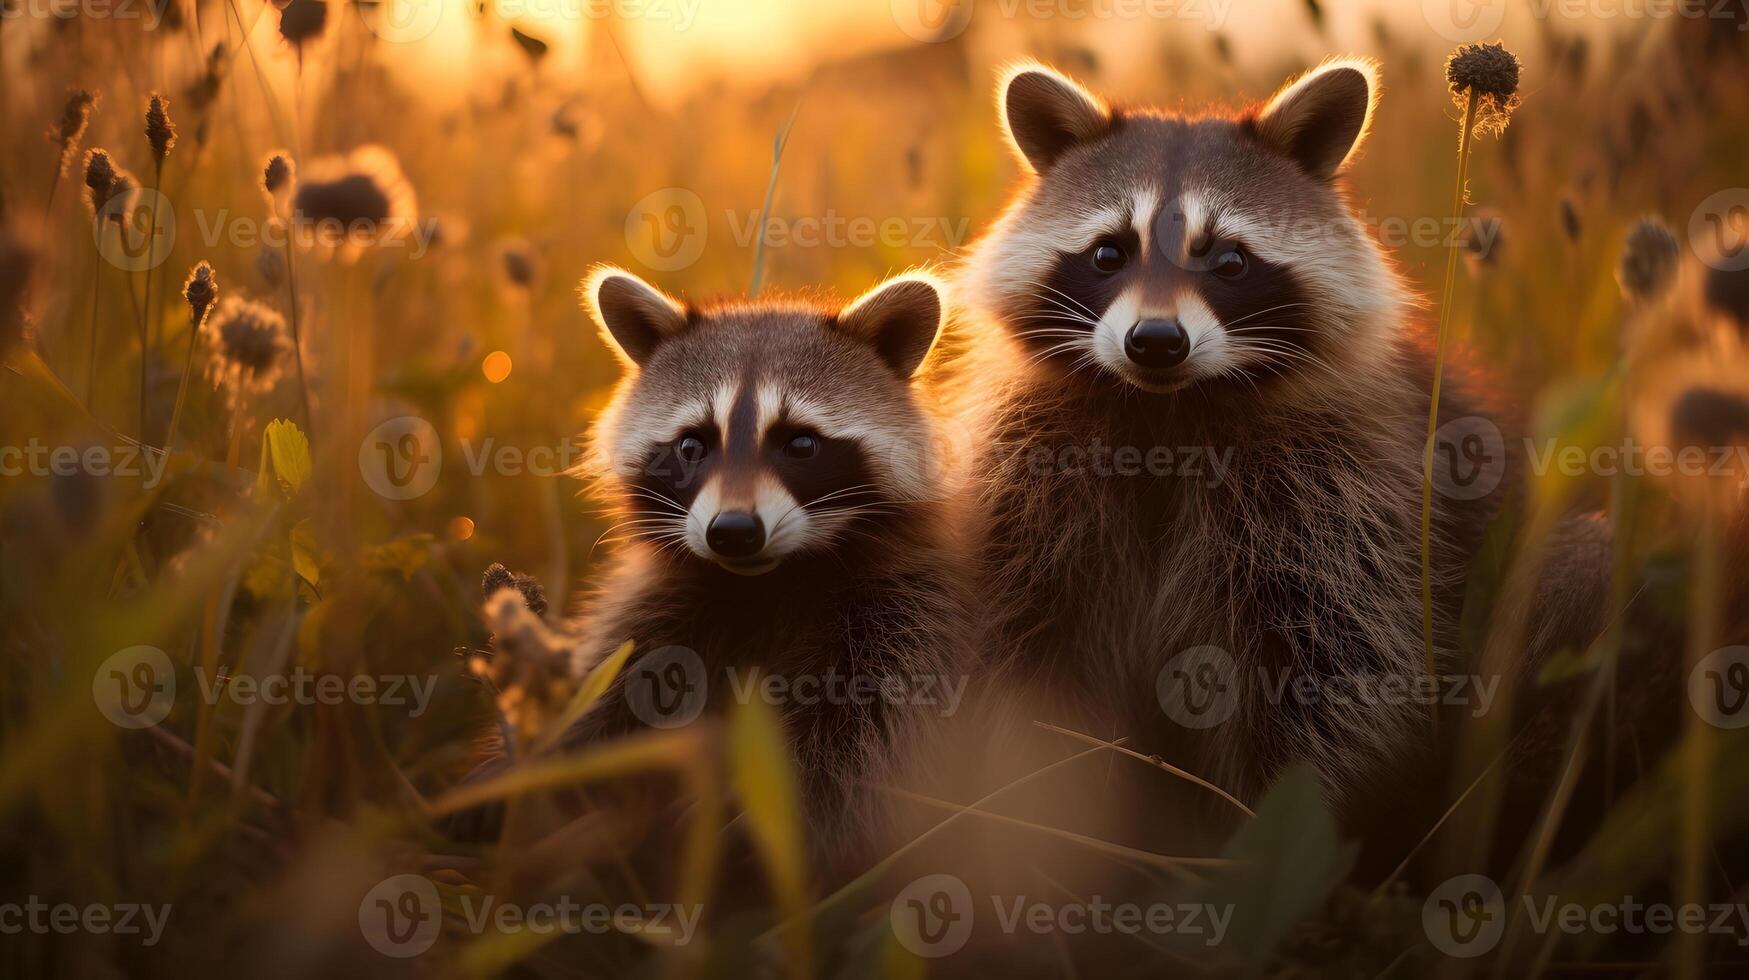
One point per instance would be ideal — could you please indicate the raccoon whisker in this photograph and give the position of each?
(1258, 313)
(655, 497)
(1072, 300)
(835, 494)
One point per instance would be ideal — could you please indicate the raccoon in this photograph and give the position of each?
(1202, 404)
(777, 474)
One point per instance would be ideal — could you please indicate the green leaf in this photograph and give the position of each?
(1285, 865)
(285, 459)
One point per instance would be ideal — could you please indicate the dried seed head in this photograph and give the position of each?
(1487, 74)
(301, 21)
(70, 128)
(99, 178)
(200, 290)
(355, 201)
(498, 577)
(250, 345)
(521, 266)
(1648, 261)
(160, 131)
(277, 176)
(123, 191)
(1568, 213)
(532, 46)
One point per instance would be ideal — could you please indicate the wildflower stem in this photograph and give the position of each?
(291, 286)
(96, 297)
(146, 318)
(1465, 141)
(182, 386)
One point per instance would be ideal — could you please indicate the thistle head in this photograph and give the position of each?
(160, 130)
(250, 345)
(1484, 76)
(302, 21)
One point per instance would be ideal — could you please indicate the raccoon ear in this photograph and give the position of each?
(633, 315)
(900, 319)
(1320, 119)
(1045, 113)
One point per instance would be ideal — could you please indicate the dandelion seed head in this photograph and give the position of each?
(1488, 75)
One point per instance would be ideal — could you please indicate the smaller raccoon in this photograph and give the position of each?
(776, 472)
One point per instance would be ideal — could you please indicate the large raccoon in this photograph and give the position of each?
(779, 479)
(1168, 289)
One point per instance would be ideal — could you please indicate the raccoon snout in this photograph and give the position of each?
(735, 534)
(1157, 344)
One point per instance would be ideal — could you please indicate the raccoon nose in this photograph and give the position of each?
(735, 534)
(1157, 343)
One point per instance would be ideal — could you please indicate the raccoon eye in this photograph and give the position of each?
(690, 448)
(1229, 264)
(1108, 258)
(802, 446)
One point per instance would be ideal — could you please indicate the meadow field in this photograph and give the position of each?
(293, 354)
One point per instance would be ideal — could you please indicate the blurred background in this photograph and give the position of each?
(422, 342)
